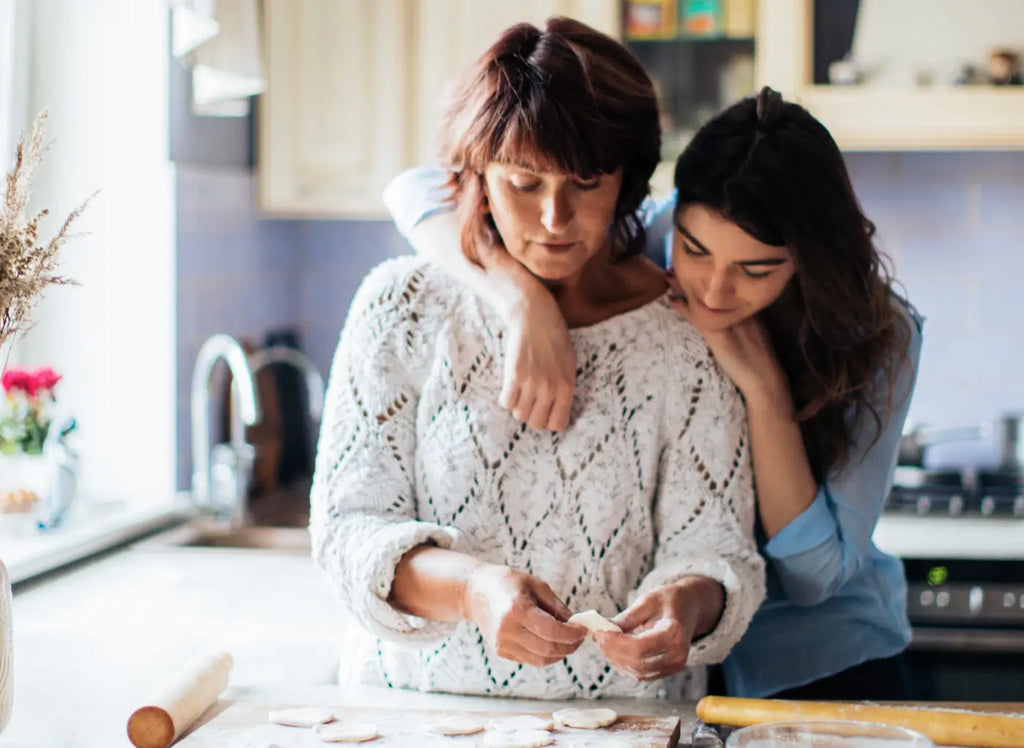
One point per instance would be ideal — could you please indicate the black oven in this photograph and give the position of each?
(968, 622)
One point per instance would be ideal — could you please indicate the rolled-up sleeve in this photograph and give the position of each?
(826, 544)
(416, 194)
(362, 504)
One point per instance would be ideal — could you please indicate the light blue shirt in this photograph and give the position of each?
(834, 599)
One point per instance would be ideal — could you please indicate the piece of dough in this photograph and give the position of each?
(303, 717)
(587, 719)
(520, 722)
(594, 621)
(453, 725)
(346, 732)
(517, 739)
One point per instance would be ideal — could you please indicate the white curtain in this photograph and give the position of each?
(14, 48)
(221, 41)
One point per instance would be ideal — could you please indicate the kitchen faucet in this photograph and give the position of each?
(282, 354)
(312, 379)
(220, 476)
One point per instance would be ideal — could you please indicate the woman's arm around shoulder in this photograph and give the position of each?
(540, 362)
(824, 546)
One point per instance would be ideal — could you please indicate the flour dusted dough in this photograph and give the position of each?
(518, 739)
(454, 725)
(594, 621)
(347, 732)
(305, 717)
(588, 719)
(520, 722)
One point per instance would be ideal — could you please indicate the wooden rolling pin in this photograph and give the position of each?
(180, 702)
(944, 726)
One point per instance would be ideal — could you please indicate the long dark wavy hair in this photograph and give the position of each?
(771, 168)
(566, 98)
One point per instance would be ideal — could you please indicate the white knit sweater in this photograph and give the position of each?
(651, 481)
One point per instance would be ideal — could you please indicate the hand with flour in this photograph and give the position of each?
(659, 627)
(519, 615)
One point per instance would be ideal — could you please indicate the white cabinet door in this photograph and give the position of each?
(452, 33)
(354, 88)
(338, 119)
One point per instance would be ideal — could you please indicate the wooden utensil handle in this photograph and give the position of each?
(942, 726)
(180, 701)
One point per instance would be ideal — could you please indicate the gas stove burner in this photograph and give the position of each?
(1001, 493)
(988, 493)
(923, 492)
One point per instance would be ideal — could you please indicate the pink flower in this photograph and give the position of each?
(16, 379)
(45, 379)
(30, 382)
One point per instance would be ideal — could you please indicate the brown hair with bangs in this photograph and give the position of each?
(567, 99)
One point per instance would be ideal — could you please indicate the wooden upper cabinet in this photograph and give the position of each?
(338, 118)
(354, 87)
(906, 100)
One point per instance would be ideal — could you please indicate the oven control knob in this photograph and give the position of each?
(988, 506)
(956, 505)
(927, 598)
(942, 599)
(1009, 599)
(975, 599)
(924, 505)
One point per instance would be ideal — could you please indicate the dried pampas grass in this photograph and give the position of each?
(27, 267)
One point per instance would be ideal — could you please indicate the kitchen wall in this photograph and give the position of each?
(244, 275)
(952, 223)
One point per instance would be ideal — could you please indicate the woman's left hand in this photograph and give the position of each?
(657, 631)
(744, 350)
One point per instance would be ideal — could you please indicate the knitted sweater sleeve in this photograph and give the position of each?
(363, 516)
(704, 511)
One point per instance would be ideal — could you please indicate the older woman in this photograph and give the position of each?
(461, 538)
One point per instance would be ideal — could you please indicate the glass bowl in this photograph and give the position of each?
(826, 735)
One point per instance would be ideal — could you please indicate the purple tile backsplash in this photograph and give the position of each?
(953, 224)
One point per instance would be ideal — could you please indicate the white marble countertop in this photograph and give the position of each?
(92, 642)
(90, 526)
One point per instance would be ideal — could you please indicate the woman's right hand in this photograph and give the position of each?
(519, 616)
(540, 363)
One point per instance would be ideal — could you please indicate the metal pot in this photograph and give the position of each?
(1005, 431)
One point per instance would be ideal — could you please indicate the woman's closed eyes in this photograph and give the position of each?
(699, 252)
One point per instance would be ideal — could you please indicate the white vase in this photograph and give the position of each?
(6, 650)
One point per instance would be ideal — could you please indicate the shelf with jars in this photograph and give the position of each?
(700, 55)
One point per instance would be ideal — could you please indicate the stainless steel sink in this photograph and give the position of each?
(206, 534)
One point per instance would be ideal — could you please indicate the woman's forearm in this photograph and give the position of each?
(502, 282)
(782, 473)
(430, 582)
(704, 599)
